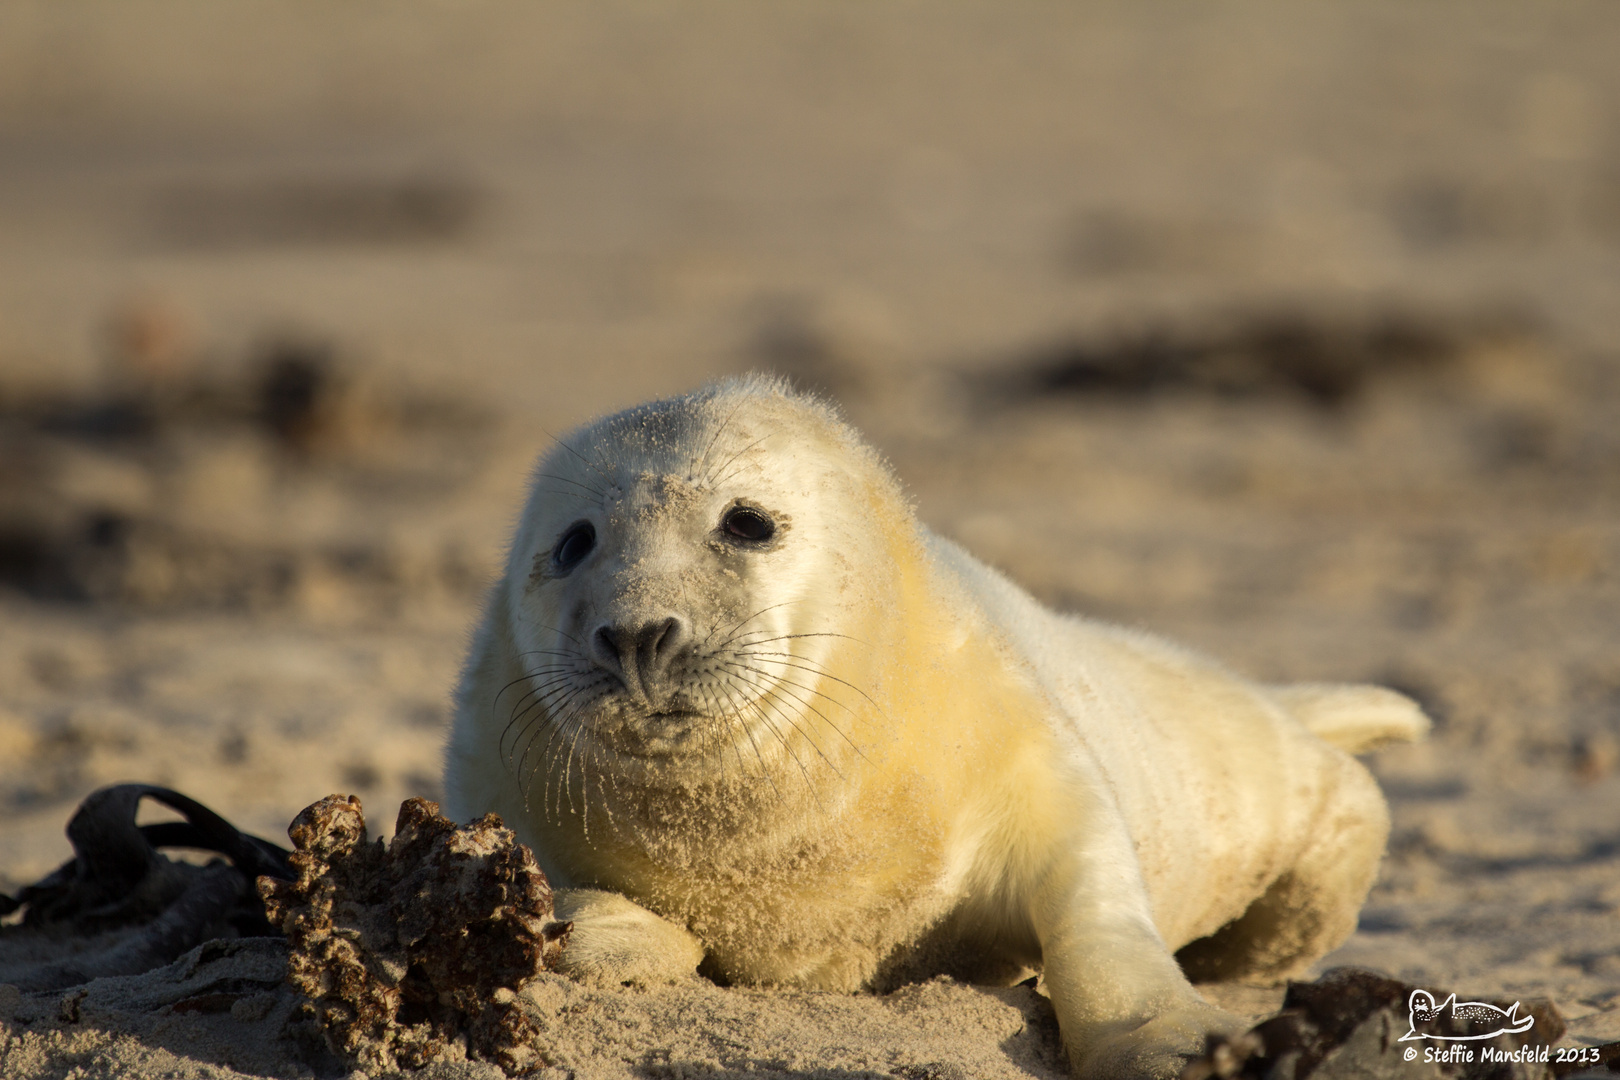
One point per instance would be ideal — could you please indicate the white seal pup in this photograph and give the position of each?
(754, 718)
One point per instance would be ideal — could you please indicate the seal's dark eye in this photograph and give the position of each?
(748, 524)
(575, 544)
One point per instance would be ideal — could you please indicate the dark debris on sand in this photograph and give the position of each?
(141, 908)
(403, 949)
(166, 485)
(1354, 1024)
(1324, 360)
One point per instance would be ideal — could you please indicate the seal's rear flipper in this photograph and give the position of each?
(1353, 718)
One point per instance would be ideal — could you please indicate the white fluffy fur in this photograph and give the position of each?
(878, 759)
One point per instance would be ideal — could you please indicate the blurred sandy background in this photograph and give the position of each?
(1289, 330)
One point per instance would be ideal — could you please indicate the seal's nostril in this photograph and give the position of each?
(607, 647)
(641, 655)
(669, 637)
(659, 644)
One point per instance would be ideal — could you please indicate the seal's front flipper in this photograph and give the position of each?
(1161, 1048)
(615, 941)
(1123, 1004)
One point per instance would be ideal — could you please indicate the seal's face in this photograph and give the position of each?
(675, 580)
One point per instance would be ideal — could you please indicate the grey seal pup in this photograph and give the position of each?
(756, 720)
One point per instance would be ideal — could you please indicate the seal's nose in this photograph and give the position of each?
(641, 655)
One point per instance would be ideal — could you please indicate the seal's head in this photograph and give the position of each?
(685, 580)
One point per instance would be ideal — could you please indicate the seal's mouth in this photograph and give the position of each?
(669, 730)
(671, 715)
(679, 738)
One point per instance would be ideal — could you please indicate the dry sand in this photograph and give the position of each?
(1286, 330)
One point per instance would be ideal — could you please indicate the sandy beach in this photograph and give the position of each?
(1289, 332)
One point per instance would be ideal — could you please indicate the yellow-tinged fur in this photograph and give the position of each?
(877, 759)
